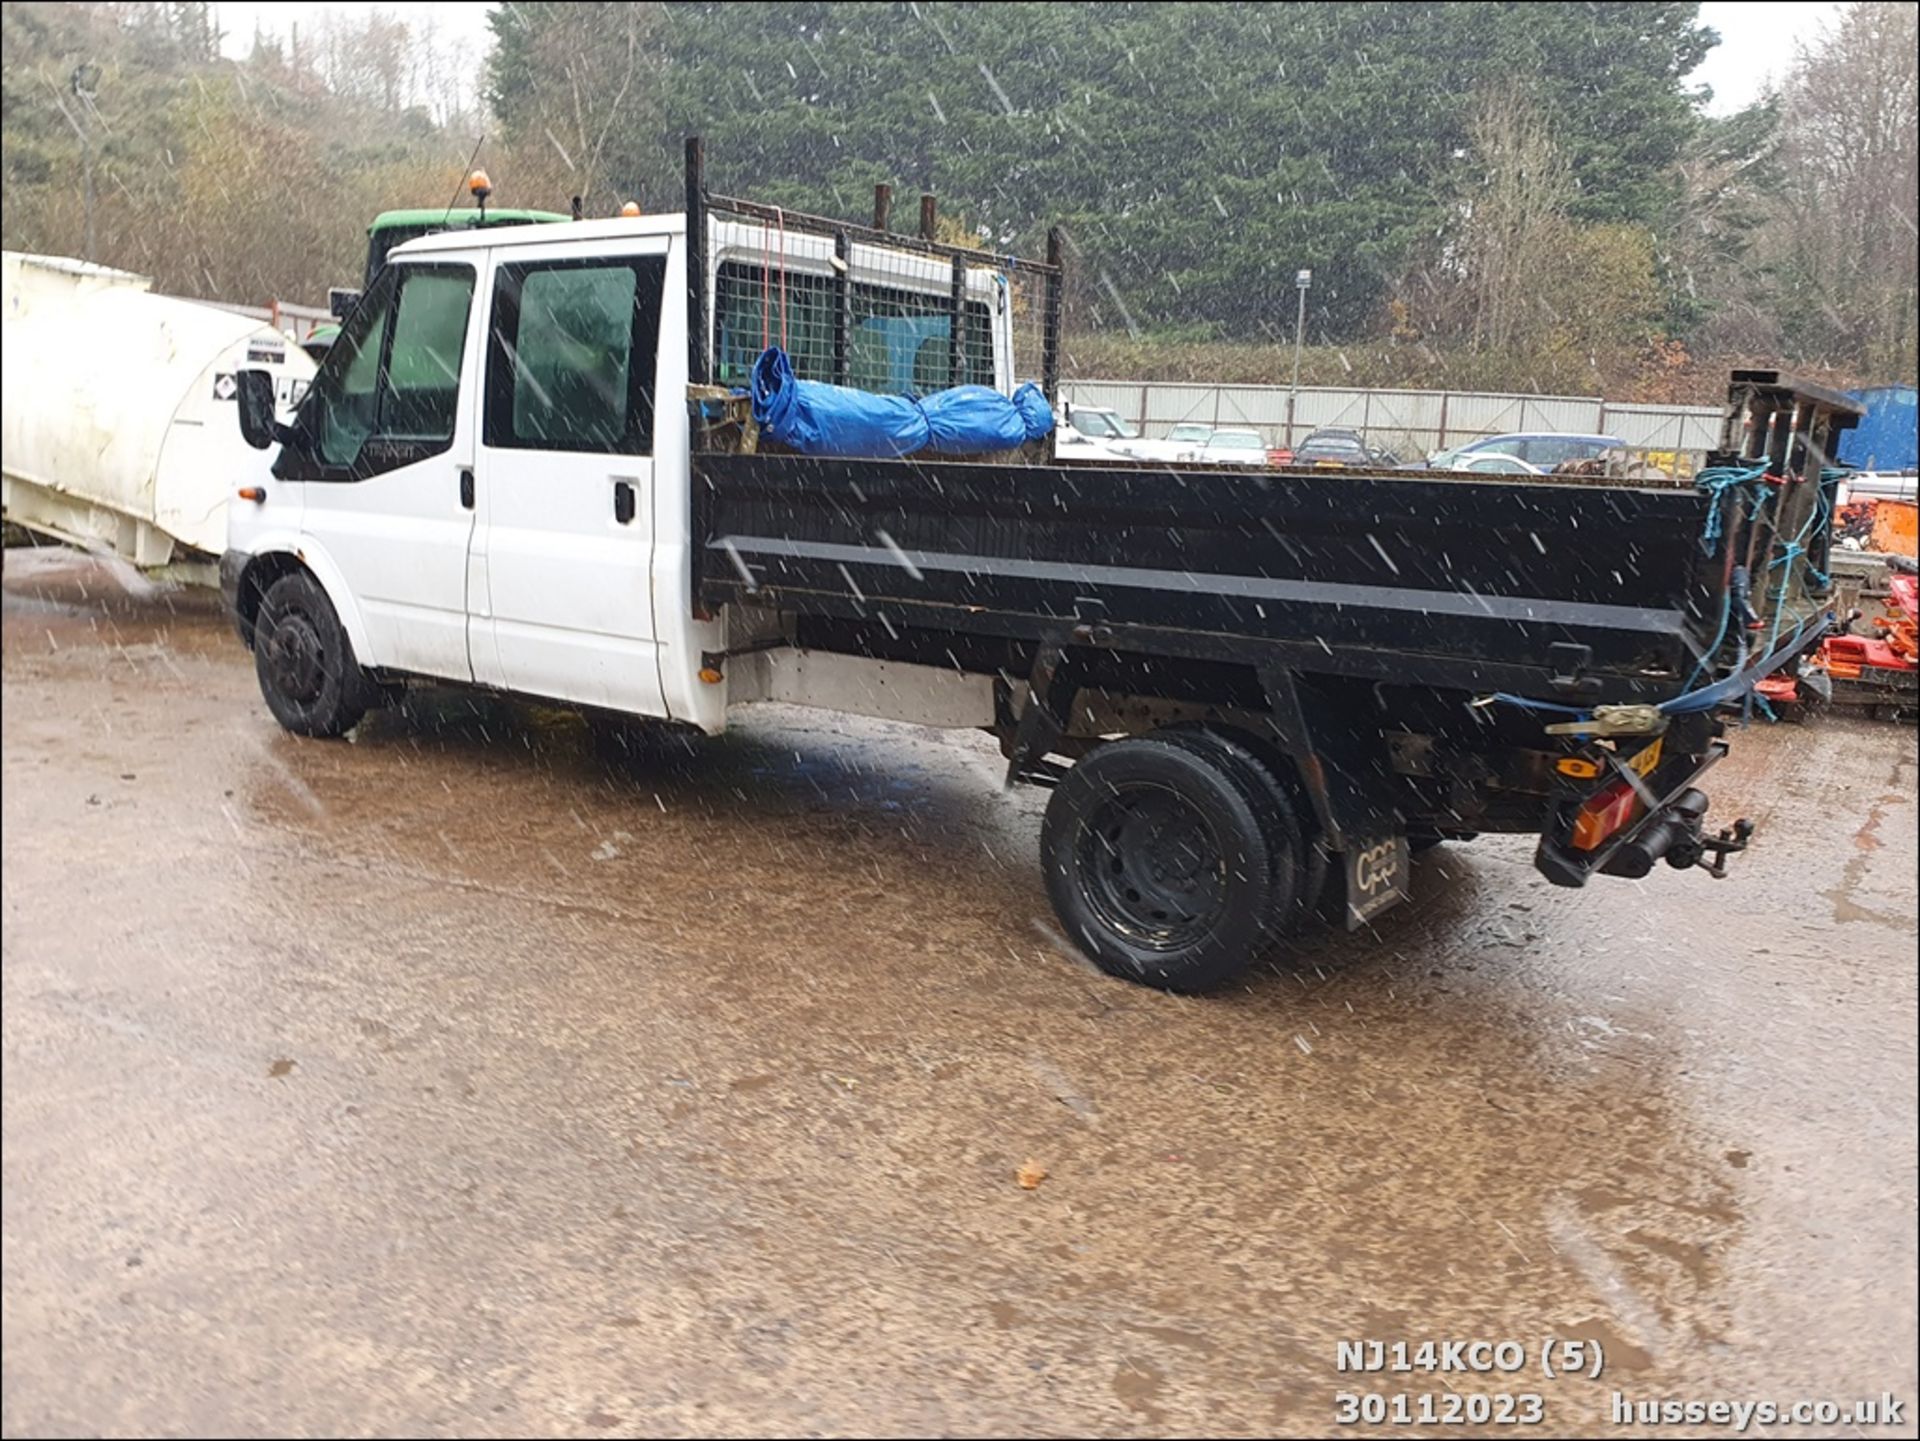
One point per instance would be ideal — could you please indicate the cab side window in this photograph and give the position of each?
(422, 391)
(390, 389)
(572, 355)
(345, 397)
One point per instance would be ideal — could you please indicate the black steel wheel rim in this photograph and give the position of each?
(1152, 868)
(296, 658)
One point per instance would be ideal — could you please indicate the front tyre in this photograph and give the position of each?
(1158, 866)
(305, 663)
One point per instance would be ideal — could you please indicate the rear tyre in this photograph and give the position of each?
(1158, 864)
(1294, 881)
(312, 683)
(1282, 806)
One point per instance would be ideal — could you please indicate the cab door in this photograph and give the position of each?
(561, 576)
(384, 451)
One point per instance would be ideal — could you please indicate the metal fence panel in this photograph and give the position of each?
(1469, 415)
(1344, 408)
(1411, 423)
(1169, 405)
(1663, 427)
(1104, 395)
(1262, 407)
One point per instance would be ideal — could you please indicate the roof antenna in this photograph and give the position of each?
(455, 197)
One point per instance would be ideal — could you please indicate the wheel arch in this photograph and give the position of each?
(269, 564)
(1298, 731)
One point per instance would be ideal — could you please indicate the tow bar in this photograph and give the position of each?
(1675, 835)
(1731, 840)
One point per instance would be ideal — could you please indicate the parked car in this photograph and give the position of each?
(1541, 449)
(1331, 445)
(1179, 443)
(1092, 432)
(1232, 447)
(1338, 446)
(1493, 463)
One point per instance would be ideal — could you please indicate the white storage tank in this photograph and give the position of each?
(117, 413)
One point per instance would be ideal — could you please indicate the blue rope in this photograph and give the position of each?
(1797, 547)
(1742, 681)
(1707, 697)
(1713, 647)
(1717, 483)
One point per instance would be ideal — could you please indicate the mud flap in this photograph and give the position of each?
(1376, 872)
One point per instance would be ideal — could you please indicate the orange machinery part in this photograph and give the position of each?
(1896, 527)
(1896, 646)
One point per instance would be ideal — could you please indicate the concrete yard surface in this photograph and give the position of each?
(459, 1078)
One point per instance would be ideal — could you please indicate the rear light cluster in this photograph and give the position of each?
(1605, 812)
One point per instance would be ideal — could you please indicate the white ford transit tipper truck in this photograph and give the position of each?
(1254, 692)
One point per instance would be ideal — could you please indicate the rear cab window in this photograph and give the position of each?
(572, 354)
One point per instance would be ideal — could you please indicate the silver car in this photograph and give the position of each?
(1233, 447)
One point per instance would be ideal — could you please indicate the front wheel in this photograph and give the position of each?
(1158, 866)
(312, 683)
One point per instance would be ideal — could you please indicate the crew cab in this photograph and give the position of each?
(1253, 693)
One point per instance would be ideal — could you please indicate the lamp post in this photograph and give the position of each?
(1303, 278)
(85, 84)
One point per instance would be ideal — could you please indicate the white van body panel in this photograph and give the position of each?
(539, 588)
(401, 537)
(562, 596)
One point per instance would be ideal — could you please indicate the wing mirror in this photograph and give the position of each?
(258, 427)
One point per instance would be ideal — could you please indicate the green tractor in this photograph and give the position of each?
(392, 228)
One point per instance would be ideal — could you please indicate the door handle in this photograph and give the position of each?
(466, 488)
(623, 501)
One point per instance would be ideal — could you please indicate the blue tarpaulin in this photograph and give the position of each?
(1889, 437)
(819, 419)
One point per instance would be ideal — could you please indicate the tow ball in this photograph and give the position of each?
(1734, 838)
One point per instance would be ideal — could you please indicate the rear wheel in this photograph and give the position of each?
(1159, 866)
(1296, 874)
(312, 683)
